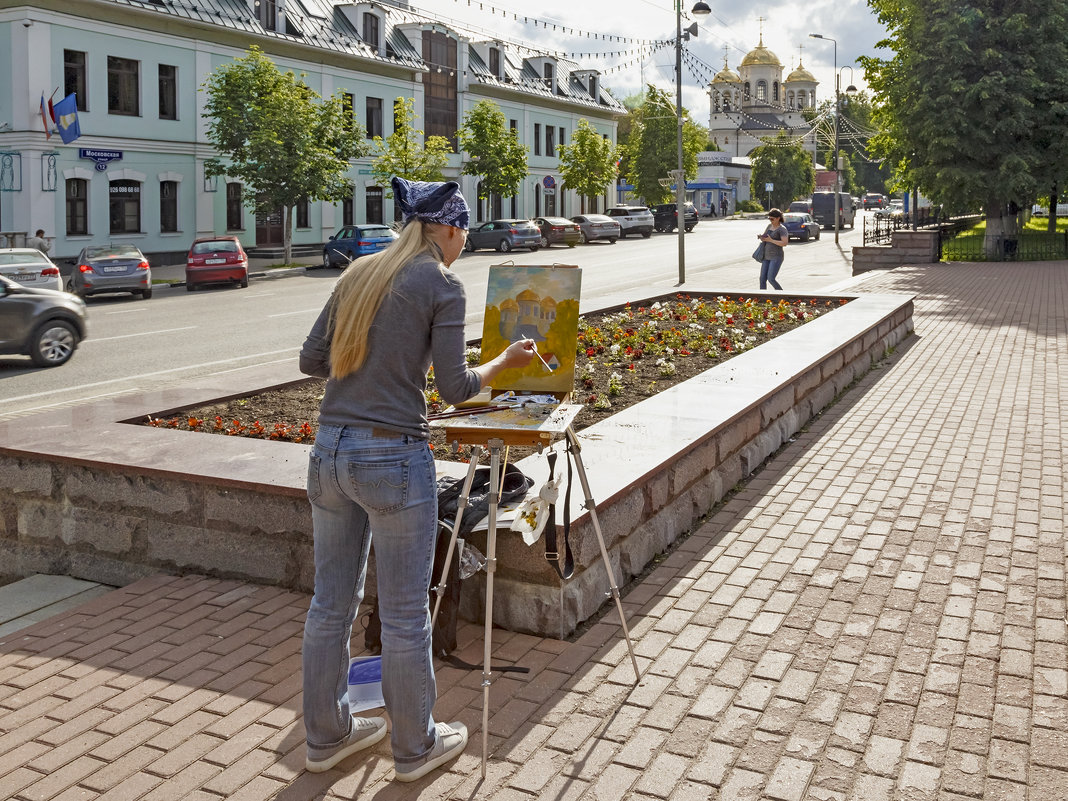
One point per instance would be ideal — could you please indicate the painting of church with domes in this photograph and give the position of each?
(538, 303)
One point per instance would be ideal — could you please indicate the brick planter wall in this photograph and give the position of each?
(906, 247)
(86, 495)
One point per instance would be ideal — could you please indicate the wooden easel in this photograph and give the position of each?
(491, 430)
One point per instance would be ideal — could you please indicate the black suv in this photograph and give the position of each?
(665, 217)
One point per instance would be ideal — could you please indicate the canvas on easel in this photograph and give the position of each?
(539, 303)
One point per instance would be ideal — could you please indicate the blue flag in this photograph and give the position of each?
(66, 116)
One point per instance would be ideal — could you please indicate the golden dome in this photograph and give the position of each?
(801, 74)
(726, 75)
(527, 294)
(760, 56)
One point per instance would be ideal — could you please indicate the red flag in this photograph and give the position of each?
(44, 119)
(51, 111)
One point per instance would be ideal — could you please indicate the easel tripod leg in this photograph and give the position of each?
(591, 507)
(439, 589)
(495, 446)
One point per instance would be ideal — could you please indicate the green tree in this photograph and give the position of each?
(588, 164)
(785, 164)
(494, 153)
(652, 147)
(972, 106)
(282, 140)
(406, 152)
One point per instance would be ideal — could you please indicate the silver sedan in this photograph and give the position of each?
(597, 226)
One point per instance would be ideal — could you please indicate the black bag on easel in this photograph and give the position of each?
(514, 484)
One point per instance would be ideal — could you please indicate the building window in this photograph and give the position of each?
(348, 109)
(495, 61)
(371, 35)
(439, 98)
(124, 86)
(537, 139)
(745, 93)
(124, 207)
(235, 208)
(74, 77)
(374, 117)
(268, 14)
(77, 207)
(168, 207)
(547, 71)
(593, 88)
(373, 205)
(561, 139)
(346, 211)
(398, 114)
(303, 213)
(775, 91)
(168, 92)
(550, 135)
(513, 125)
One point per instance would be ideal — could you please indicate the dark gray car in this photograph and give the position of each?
(504, 235)
(44, 324)
(111, 268)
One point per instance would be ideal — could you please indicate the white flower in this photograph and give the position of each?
(655, 305)
(614, 350)
(669, 351)
(696, 327)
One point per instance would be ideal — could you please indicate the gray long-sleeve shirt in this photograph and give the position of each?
(420, 321)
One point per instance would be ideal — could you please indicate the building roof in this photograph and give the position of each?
(801, 74)
(761, 56)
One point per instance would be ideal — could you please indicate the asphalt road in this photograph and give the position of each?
(136, 345)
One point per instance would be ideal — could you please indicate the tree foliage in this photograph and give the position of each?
(282, 140)
(972, 107)
(588, 164)
(406, 152)
(494, 152)
(787, 166)
(652, 146)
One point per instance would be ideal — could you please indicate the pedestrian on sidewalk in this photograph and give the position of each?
(38, 242)
(371, 473)
(775, 238)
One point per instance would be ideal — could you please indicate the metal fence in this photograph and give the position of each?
(879, 230)
(1024, 246)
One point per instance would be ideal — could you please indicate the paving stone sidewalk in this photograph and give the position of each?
(878, 614)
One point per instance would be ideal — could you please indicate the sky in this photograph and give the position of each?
(731, 25)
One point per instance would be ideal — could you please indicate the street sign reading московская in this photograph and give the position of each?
(101, 157)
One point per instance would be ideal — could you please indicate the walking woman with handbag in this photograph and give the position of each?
(775, 238)
(371, 473)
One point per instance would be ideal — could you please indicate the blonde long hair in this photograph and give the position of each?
(361, 288)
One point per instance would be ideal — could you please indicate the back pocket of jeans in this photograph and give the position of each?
(380, 486)
(314, 489)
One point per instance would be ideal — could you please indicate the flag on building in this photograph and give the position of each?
(66, 116)
(44, 118)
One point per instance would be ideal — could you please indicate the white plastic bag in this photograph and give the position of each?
(365, 683)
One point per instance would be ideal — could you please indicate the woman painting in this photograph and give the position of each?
(775, 238)
(390, 317)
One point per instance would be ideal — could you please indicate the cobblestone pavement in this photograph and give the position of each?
(878, 614)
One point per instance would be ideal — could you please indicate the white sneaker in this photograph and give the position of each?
(452, 739)
(365, 733)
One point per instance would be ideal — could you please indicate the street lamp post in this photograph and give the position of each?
(700, 9)
(837, 111)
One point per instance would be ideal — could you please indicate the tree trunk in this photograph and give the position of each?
(287, 233)
(1002, 230)
(1051, 223)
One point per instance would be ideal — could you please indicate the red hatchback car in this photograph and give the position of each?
(216, 260)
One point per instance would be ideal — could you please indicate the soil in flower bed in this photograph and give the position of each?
(624, 357)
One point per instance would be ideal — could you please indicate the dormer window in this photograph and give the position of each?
(495, 61)
(372, 30)
(267, 12)
(593, 87)
(549, 71)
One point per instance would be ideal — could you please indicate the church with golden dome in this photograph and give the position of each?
(755, 102)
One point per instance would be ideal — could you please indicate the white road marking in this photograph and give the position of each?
(158, 372)
(302, 311)
(128, 311)
(139, 334)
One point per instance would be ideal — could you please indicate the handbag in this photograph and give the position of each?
(758, 254)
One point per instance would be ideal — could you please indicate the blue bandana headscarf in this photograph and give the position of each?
(432, 201)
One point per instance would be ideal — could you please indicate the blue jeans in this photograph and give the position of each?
(362, 480)
(769, 268)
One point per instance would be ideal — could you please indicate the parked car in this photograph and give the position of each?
(893, 209)
(665, 217)
(801, 206)
(801, 226)
(44, 324)
(558, 230)
(216, 260)
(113, 268)
(597, 226)
(30, 267)
(874, 200)
(823, 209)
(504, 235)
(354, 241)
(632, 220)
